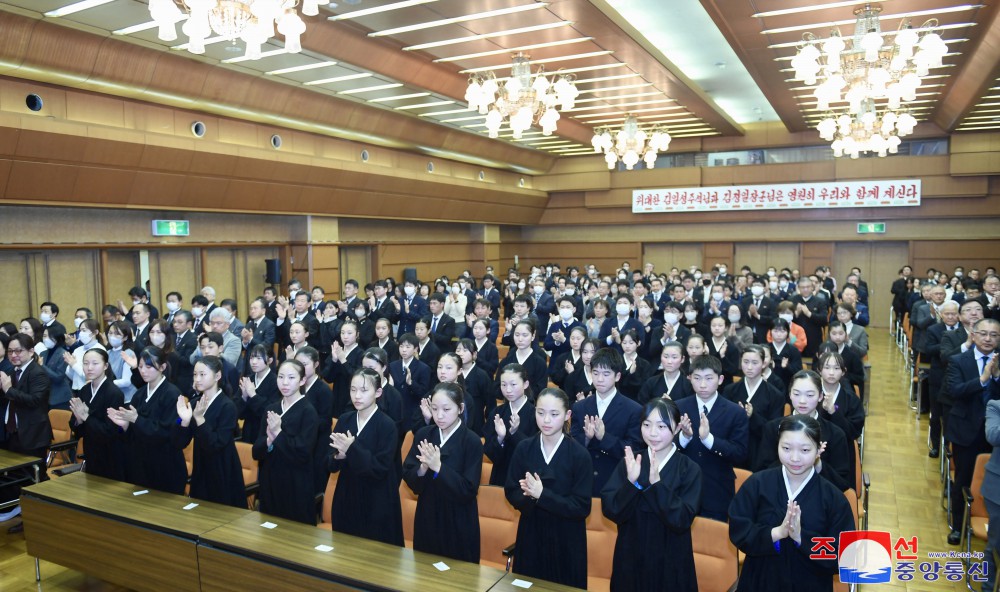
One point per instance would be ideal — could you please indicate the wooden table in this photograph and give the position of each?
(506, 584)
(245, 557)
(10, 462)
(99, 527)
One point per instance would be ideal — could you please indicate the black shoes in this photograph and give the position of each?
(934, 453)
(954, 537)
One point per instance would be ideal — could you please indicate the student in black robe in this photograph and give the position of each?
(390, 401)
(727, 349)
(838, 458)
(840, 403)
(672, 383)
(478, 386)
(320, 396)
(257, 392)
(509, 423)
(550, 482)
(770, 376)
(787, 358)
(345, 360)
(778, 512)
(654, 504)
(487, 354)
(427, 351)
(151, 460)
(443, 468)
(637, 370)
(384, 340)
(566, 363)
(103, 444)
(284, 450)
(216, 473)
(366, 501)
(580, 384)
(525, 354)
(761, 401)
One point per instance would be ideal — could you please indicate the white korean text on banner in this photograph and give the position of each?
(788, 196)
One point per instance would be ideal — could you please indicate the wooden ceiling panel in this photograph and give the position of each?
(50, 147)
(156, 189)
(103, 185)
(112, 153)
(40, 181)
(162, 158)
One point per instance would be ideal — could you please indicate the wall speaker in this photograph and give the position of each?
(410, 274)
(273, 274)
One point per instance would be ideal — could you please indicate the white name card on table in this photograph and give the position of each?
(324, 548)
(441, 566)
(521, 584)
(190, 506)
(143, 492)
(269, 525)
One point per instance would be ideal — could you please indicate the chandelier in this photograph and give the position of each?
(873, 77)
(630, 143)
(523, 99)
(252, 21)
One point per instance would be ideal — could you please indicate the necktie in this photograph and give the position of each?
(11, 426)
(704, 409)
(178, 341)
(378, 304)
(434, 325)
(982, 368)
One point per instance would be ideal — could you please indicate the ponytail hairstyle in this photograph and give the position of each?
(215, 366)
(562, 397)
(517, 369)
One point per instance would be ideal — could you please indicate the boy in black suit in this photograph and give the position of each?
(412, 378)
(714, 433)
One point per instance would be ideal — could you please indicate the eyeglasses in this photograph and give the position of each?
(988, 334)
(15, 351)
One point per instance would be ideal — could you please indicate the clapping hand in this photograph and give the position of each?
(685, 426)
(500, 427)
(248, 388)
(342, 442)
(703, 428)
(128, 356)
(425, 409)
(654, 474)
(515, 422)
(429, 456)
(633, 465)
(531, 485)
(200, 408)
(273, 426)
(184, 411)
(80, 409)
(748, 407)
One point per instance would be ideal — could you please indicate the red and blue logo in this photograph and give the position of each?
(865, 557)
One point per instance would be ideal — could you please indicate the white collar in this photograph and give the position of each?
(284, 409)
(517, 354)
(752, 392)
(443, 438)
(604, 402)
(541, 443)
(152, 389)
(662, 463)
(788, 486)
(514, 411)
(257, 381)
(710, 403)
(480, 344)
(363, 423)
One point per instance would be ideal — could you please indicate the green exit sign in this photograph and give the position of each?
(871, 227)
(179, 228)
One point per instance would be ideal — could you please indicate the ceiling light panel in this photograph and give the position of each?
(458, 19)
(493, 35)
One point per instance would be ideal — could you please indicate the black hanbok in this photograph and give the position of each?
(366, 501)
(653, 550)
(759, 506)
(216, 473)
(552, 530)
(151, 459)
(838, 458)
(103, 443)
(500, 453)
(768, 404)
(320, 397)
(252, 410)
(340, 375)
(446, 522)
(287, 467)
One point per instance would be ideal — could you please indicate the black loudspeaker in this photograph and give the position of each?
(410, 274)
(273, 274)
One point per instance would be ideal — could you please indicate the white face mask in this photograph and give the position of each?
(114, 341)
(783, 285)
(521, 285)
(77, 322)
(958, 274)
(49, 344)
(757, 290)
(461, 285)
(456, 290)
(717, 296)
(197, 311)
(45, 318)
(622, 309)
(786, 317)
(670, 318)
(734, 318)
(409, 291)
(770, 273)
(722, 271)
(772, 285)
(697, 276)
(566, 314)
(570, 291)
(157, 339)
(134, 302)
(86, 337)
(538, 290)
(621, 276)
(690, 315)
(173, 306)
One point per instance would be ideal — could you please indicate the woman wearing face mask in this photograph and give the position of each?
(33, 329)
(158, 336)
(796, 334)
(455, 303)
(121, 357)
(366, 327)
(90, 337)
(53, 361)
(738, 329)
(691, 320)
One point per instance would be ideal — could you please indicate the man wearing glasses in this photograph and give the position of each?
(973, 380)
(25, 406)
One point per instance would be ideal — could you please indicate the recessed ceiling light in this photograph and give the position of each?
(612, 88)
(448, 112)
(424, 105)
(809, 8)
(339, 78)
(302, 68)
(400, 97)
(75, 7)
(378, 9)
(458, 40)
(483, 54)
(617, 97)
(265, 54)
(457, 119)
(364, 89)
(142, 27)
(577, 56)
(628, 104)
(459, 19)
(883, 18)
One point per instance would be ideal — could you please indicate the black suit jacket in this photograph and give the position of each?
(264, 332)
(730, 428)
(622, 421)
(812, 325)
(443, 333)
(184, 372)
(967, 420)
(386, 310)
(30, 399)
(767, 311)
